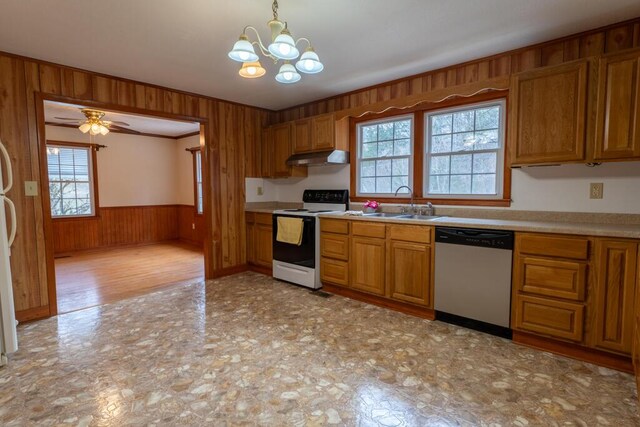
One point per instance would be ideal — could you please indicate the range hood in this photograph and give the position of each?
(319, 158)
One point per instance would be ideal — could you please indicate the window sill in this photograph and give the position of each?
(75, 218)
(435, 201)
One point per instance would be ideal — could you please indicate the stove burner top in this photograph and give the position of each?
(296, 210)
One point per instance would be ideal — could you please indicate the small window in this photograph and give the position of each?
(465, 152)
(385, 151)
(198, 181)
(70, 181)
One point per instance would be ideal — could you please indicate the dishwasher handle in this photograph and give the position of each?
(498, 239)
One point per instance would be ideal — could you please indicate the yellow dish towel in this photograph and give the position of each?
(289, 230)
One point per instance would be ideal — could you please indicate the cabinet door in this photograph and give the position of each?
(410, 272)
(368, 264)
(264, 245)
(323, 132)
(548, 114)
(614, 296)
(266, 160)
(302, 136)
(618, 117)
(251, 246)
(281, 149)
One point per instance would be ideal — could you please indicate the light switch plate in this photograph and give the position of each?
(31, 188)
(596, 190)
(260, 191)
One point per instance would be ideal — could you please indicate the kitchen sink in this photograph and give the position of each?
(401, 216)
(388, 215)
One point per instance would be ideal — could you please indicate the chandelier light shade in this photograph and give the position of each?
(309, 62)
(252, 70)
(283, 47)
(287, 74)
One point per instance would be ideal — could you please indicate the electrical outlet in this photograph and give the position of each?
(260, 191)
(596, 190)
(30, 188)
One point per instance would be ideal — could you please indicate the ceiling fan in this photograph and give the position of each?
(94, 123)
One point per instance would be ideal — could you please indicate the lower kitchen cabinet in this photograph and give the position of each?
(383, 263)
(410, 272)
(367, 264)
(259, 239)
(614, 294)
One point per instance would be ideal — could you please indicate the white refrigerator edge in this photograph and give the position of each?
(8, 323)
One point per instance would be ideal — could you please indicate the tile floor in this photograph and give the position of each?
(248, 350)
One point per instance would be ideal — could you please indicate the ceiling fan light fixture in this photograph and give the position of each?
(252, 70)
(104, 130)
(85, 127)
(243, 50)
(287, 74)
(309, 62)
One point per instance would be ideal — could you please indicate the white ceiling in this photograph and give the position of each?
(184, 44)
(143, 124)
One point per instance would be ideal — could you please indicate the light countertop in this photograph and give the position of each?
(630, 231)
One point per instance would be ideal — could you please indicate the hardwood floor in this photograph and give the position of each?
(87, 279)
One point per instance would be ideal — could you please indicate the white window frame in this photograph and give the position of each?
(359, 159)
(500, 156)
(199, 184)
(91, 182)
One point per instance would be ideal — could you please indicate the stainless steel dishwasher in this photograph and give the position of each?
(473, 278)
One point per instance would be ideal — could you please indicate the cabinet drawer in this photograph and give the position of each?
(334, 246)
(338, 226)
(561, 279)
(368, 229)
(334, 271)
(558, 319)
(410, 233)
(264, 218)
(553, 246)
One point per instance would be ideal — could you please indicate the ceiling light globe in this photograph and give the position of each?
(243, 51)
(309, 63)
(104, 130)
(84, 128)
(251, 70)
(287, 74)
(95, 129)
(284, 47)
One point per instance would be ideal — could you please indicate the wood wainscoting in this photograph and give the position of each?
(128, 225)
(190, 225)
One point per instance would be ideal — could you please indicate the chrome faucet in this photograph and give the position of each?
(403, 209)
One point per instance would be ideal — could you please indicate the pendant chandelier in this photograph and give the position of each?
(282, 47)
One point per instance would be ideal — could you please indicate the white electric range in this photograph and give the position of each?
(300, 264)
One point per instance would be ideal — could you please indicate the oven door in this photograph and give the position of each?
(303, 255)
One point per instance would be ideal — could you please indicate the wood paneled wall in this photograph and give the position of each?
(117, 226)
(190, 225)
(605, 40)
(232, 137)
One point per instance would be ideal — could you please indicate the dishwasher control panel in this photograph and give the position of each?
(498, 239)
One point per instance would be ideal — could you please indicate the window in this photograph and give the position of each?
(465, 152)
(70, 180)
(384, 156)
(198, 181)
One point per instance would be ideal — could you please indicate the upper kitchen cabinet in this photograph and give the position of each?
(282, 150)
(548, 120)
(320, 133)
(618, 114)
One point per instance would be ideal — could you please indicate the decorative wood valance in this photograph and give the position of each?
(431, 97)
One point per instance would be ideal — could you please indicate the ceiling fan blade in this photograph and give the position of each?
(69, 118)
(123, 129)
(119, 123)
